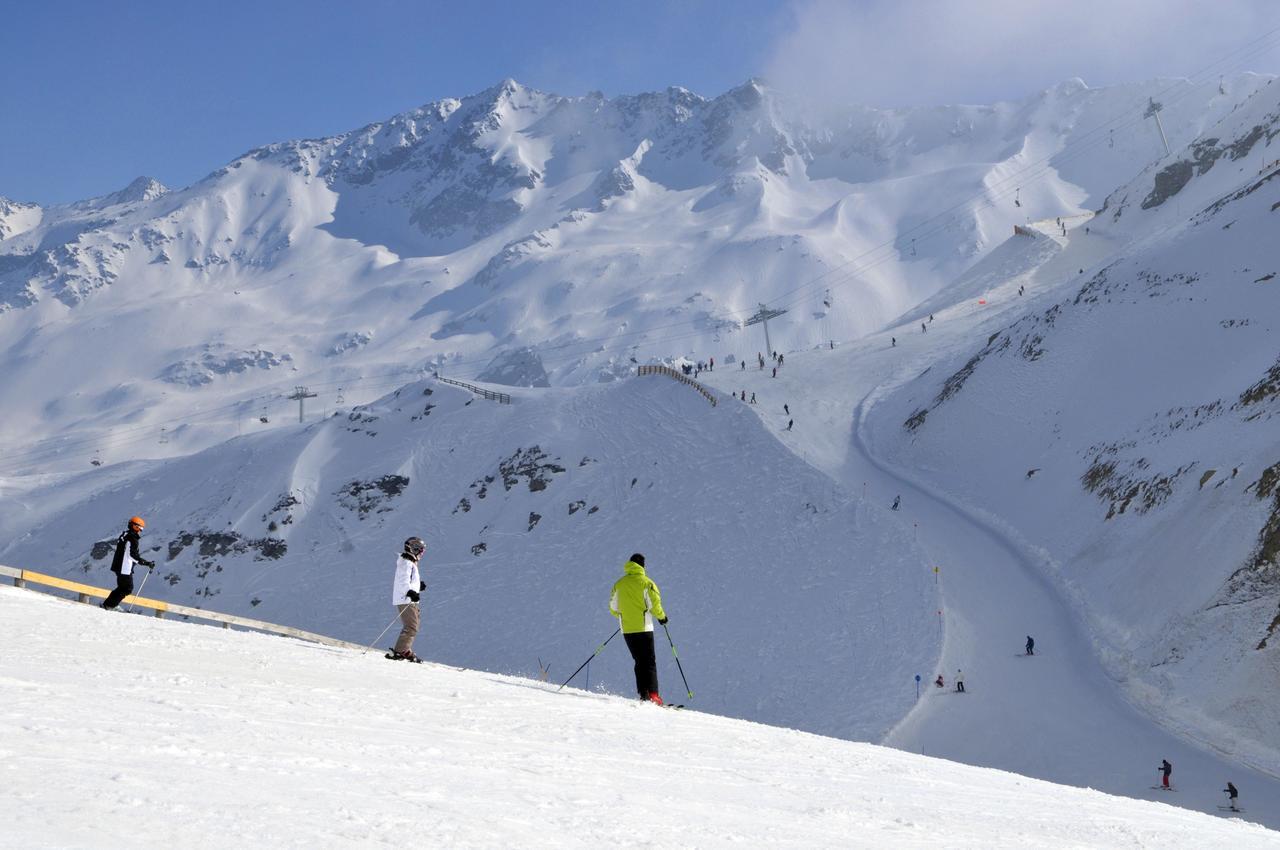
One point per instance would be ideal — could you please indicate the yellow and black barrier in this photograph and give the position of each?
(84, 592)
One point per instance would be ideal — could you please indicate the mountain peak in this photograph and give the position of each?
(141, 189)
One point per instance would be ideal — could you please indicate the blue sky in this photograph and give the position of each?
(107, 91)
(97, 93)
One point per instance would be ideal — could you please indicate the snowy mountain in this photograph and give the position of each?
(1121, 427)
(589, 229)
(1074, 413)
(312, 746)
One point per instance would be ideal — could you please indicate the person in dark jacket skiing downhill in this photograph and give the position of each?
(1232, 796)
(636, 602)
(126, 558)
(1031, 645)
(1166, 769)
(405, 595)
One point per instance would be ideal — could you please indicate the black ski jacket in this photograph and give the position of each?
(127, 554)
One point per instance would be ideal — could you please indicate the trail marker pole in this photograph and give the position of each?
(917, 687)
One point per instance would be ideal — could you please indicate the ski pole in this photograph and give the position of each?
(676, 655)
(139, 593)
(383, 632)
(593, 655)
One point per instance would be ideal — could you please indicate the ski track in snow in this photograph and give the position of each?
(123, 730)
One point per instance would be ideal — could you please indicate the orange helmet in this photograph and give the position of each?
(137, 520)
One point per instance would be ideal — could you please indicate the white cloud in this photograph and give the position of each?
(917, 52)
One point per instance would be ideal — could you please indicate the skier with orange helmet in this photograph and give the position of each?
(126, 557)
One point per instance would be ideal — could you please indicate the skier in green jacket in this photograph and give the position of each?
(636, 602)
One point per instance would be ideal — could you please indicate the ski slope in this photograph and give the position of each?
(1057, 715)
(124, 730)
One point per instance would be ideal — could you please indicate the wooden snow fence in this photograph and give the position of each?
(679, 376)
(85, 592)
(500, 398)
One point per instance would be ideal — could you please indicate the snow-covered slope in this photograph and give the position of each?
(1122, 430)
(530, 510)
(163, 734)
(1089, 462)
(591, 229)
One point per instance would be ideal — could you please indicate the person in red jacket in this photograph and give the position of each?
(126, 558)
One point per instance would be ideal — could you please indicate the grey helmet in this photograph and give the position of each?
(415, 547)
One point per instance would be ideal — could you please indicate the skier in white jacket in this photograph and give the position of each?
(405, 595)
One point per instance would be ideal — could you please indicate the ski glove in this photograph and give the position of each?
(662, 622)
(422, 586)
(412, 594)
(151, 565)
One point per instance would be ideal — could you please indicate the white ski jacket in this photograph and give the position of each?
(407, 578)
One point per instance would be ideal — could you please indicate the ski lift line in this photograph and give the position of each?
(74, 443)
(1238, 57)
(75, 447)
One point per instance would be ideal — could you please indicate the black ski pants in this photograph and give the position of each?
(641, 646)
(124, 586)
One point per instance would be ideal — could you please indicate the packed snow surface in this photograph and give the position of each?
(123, 730)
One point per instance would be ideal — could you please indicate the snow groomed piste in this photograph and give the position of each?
(120, 729)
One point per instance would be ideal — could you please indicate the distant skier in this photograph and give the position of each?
(786, 409)
(1165, 769)
(775, 371)
(924, 329)
(744, 365)
(744, 395)
(1232, 795)
(781, 359)
(125, 559)
(636, 602)
(897, 500)
(711, 364)
(405, 592)
(753, 398)
(938, 681)
(931, 318)
(1031, 646)
(893, 342)
(790, 422)
(959, 682)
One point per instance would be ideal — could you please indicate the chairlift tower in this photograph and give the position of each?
(301, 394)
(1153, 111)
(762, 316)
